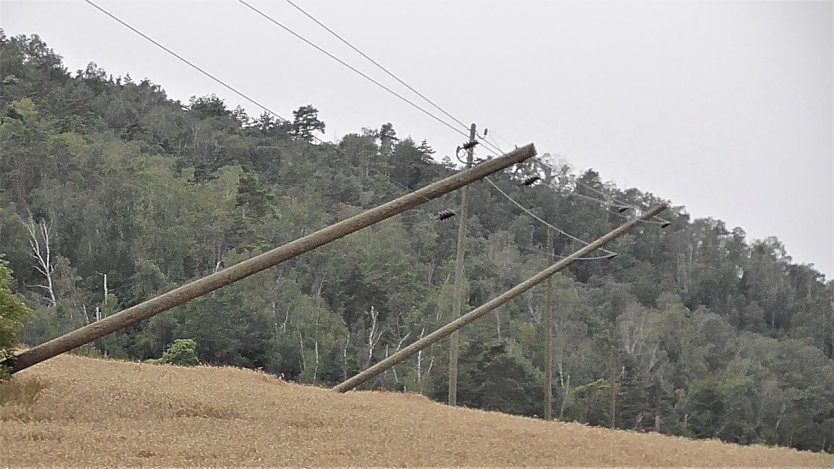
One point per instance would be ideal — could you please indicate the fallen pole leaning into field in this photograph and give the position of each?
(476, 313)
(229, 275)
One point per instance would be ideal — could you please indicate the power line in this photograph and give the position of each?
(366, 76)
(493, 136)
(611, 197)
(527, 211)
(191, 64)
(557, 256)
(378, 65)
(253, 101)
(495, 144)
(354, 69)
(661, 221)
(453, 349)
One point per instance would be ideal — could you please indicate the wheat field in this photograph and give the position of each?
(81, 412)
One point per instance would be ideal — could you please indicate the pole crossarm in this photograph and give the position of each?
(476, 313)
(261, 262)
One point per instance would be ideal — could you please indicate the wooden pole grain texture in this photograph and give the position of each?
(229, 275)
(548, 336)
(454, 340)
(505, 297)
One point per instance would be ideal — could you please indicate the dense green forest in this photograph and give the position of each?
(110, 193)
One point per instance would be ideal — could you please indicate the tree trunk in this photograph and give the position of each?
(39, 240)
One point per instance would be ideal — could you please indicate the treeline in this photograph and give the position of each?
(111, 193)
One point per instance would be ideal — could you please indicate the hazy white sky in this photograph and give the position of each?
(724, 107)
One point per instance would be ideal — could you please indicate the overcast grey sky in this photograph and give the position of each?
(724, 107)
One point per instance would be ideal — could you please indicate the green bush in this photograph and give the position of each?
(182, 352)
(12, 315)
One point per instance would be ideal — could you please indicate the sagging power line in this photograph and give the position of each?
(411, 88)
(610, 254)
(192, 65)
(663, 222)
(480, 311)
(559, 256)
(352, 68)
(474, 139)
(541, 220)
(378, 65)
(471, 142)
(620, 205)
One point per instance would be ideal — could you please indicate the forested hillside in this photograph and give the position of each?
(111, 193)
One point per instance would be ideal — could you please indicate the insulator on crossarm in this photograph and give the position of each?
(470, 145)
(530, 180)
(444, 214)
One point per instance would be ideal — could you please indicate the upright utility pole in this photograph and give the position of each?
(548, 336)
(453, 340)
(612, 357)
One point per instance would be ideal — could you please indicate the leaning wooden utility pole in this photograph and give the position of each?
(548, 335)
(476, 313)
(261, 262)
(454, 344)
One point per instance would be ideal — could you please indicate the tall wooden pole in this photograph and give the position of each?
(548, 336)
(454, 344)
(612, 357)
(476, 313)
(261, 262)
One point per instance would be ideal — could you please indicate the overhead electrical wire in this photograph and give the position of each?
(192, 64)
(411, 88)
(364, 75)
(618, 213)
(538, 218)
(558, 256)
(378, 65)
(607, 198)
(492, 146)
(527, 211)
(351, 67)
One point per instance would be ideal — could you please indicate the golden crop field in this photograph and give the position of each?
(80, 411)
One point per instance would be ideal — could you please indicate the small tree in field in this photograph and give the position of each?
(182, 352)
(12, 315)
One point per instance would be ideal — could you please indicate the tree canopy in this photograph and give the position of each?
(110, 193)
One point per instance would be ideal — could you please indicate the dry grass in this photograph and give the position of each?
(17, 398)
(82, 411)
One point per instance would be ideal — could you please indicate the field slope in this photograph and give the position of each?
(98, 412)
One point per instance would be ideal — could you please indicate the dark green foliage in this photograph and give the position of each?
(13, 313)
(182, 352)
(713, 335)
(497, 377)
(305, 122)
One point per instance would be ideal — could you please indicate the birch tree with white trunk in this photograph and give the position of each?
(40, 235)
